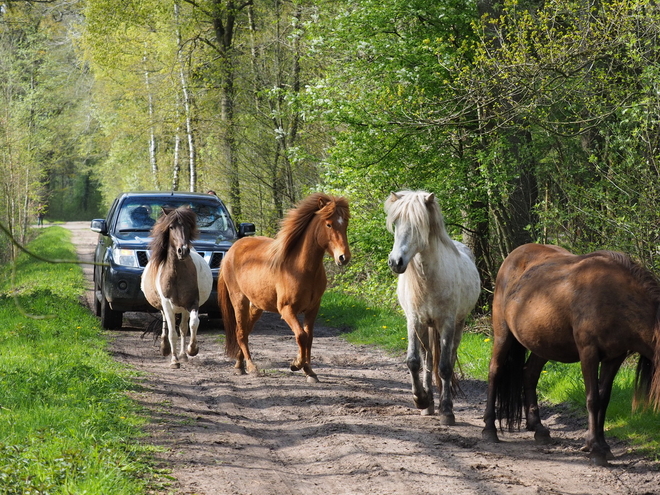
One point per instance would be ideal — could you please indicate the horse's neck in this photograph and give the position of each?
(439, 248)
(309, 254)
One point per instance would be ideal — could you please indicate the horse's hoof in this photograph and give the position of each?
(447, 419)
(542, 437)
(192, 350)
(295, 366)
(489, 435)
(429, 411)
(422, 402)
(175, 366)
(599, 459)
(165, 349)
(183, 357)
(239, 371)
(312, 379)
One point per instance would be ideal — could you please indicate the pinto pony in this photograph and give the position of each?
(176, 280)
(596, 309)
(438, 286)
(284, 275)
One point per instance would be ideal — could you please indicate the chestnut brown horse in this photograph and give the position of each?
(596, 309)
(176, 280)
(284, 275)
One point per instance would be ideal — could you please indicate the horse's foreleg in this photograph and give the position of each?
(608, 370)
(170, 318)
(165, 348)
(448, 348)
(308, 327)
(194, 325)
(531, 374)
(303, 341)
(589, 363)
(422, 395)
(183, 331)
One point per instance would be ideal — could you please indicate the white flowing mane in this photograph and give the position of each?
(424, 216)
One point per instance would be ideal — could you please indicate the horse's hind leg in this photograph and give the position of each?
(246, 317)
(502, 343)
(531, 373)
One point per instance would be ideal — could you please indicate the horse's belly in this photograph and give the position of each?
(148, 286)
(543, 331)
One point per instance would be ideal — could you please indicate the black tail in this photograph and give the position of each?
(643, 383)
(509, 399)
(232, 349)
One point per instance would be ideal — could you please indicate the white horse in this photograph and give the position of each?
(176, 280)
(438, 286)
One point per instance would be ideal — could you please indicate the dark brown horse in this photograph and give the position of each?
(284, 275)
(596, 309)
(176, 279)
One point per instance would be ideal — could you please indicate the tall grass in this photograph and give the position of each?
(560, 383)
(66, 423)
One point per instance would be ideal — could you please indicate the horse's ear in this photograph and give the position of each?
(430, 198)
(167, 210)
(394, 196)
(323, 202)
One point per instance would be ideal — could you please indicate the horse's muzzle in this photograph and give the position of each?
(343, 259)
(183, 252)
(397, 265)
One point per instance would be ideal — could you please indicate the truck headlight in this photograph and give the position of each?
(125, 257)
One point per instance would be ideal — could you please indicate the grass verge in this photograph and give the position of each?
(386, 328)
(66, 423)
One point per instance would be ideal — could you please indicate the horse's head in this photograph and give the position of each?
(174, 231)
(408, 219)
(333, 220)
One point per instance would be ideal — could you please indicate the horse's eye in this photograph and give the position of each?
(329, 225)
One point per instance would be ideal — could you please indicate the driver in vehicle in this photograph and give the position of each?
(141, 219)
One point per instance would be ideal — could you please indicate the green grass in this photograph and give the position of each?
(66, 422)
(559, 383)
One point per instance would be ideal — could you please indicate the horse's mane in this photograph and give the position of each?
(160, 232)
(414, 208)
(644, 276)
(296, 221)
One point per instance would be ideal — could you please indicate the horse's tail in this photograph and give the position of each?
(647, 384)
(509, 386)
(232, 349)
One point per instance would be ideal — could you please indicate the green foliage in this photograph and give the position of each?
(66, 423)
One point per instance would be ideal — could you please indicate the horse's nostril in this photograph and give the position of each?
(341, 258)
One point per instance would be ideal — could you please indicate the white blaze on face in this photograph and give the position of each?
(340, 221)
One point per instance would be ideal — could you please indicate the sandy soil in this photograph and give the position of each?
(355, 432)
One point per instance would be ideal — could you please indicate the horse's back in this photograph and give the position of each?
(555, 302)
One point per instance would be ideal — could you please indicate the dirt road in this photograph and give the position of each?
(355, 432)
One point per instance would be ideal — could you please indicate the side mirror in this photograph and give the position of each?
(245, 229)
(98, 225)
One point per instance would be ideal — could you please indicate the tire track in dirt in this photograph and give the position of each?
(356, 432)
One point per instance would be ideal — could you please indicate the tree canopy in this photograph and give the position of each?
(530, 120)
